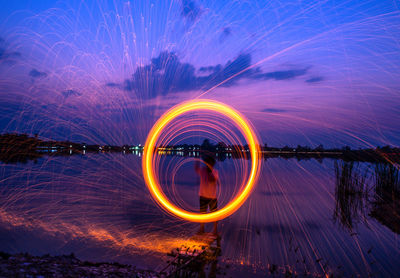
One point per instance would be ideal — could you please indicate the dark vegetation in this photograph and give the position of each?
(194, 261)
(350, 194)
(360, 192)
(386, 197)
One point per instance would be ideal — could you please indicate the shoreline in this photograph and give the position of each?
(26, 265)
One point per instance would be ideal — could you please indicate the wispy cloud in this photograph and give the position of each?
(190, 10)
(34, 73)
(226, 32)
(274, 110)
(7, 55)
(282, 75)
(114, 85)
(315, 79)
(69, 93)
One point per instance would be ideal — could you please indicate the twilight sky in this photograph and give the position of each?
(303, 72)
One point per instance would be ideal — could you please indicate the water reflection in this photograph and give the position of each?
(386, 197)
(351, 194)
(359, 193)
(97, 206)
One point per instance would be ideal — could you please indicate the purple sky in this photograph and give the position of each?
(304, 73)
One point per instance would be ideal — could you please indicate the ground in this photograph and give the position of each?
(25, 265)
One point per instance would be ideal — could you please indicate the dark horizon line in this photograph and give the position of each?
(21, 147)
(264, 146)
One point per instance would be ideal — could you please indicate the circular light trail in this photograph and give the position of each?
(149, 149)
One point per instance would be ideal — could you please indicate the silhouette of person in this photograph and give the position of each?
(209, 181)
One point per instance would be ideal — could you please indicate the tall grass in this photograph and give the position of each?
(386, 200)
(351, 194)
(387, 183)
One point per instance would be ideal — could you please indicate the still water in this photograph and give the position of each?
(296, 219)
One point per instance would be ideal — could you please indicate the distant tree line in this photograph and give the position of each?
(16, 147)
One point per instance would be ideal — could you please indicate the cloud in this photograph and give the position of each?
(34, 73)
(69, 93)
(190, 10)
(113, 85)
(274, 110)
(226, 32)
(315, 79)
(166, 74)
(116, 85)
(283, 75)
(210, 68)
(5, 54)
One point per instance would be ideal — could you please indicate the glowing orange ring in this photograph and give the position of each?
(149, 148)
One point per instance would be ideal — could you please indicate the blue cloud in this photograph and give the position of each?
(282, 75)
(274, 110)
(167, 74)
(226, 32)
(6, 54)
(315, 79)
(34, 73)
(113, 85)
(69, 93)
(190, 10)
